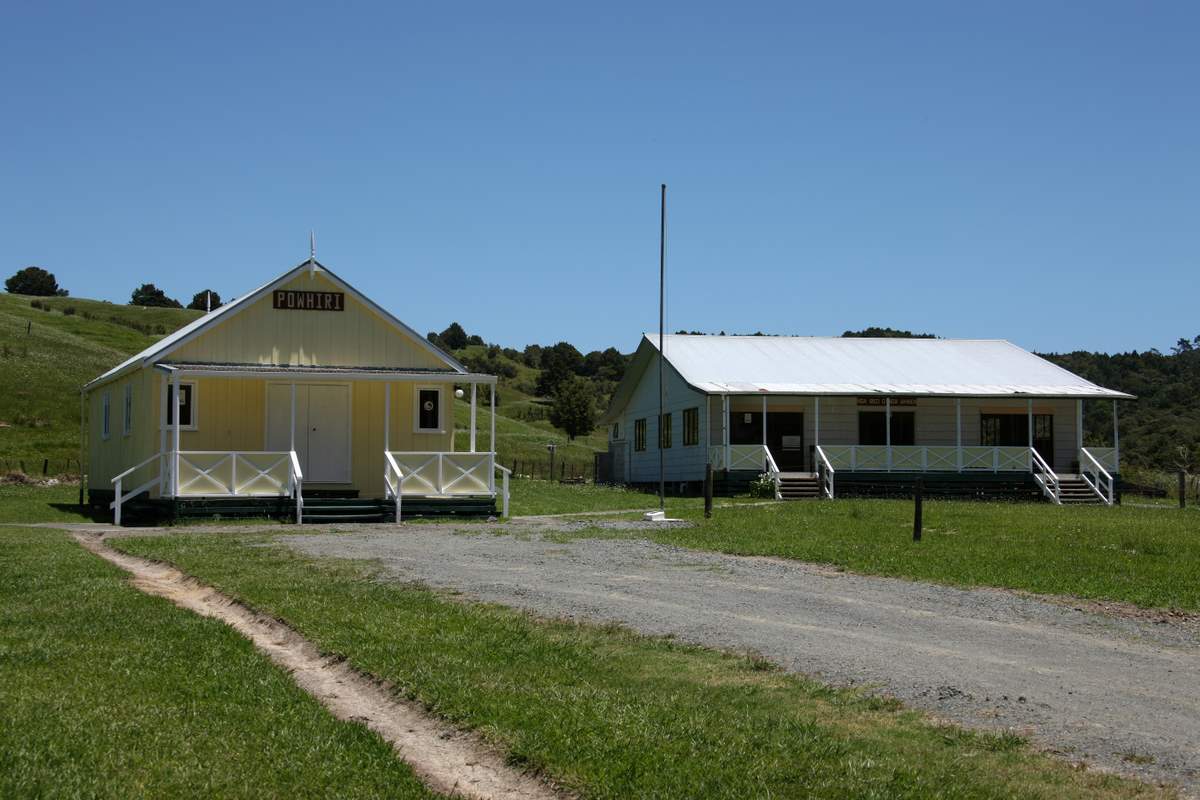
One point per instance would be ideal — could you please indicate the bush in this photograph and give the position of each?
(763, 486)
(69, 311)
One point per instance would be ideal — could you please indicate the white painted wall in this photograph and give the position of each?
(681, 463)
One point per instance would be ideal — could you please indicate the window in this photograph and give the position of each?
(639, 434)
(105, 403)
(429, 409)
(127, 418)
(691, 427)
(1012, 430)
(187, 406)
(664, 432)
(616, 431)
(872, 428)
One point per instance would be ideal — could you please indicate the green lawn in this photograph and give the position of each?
(616, 715)
(1146, 556)
(524, 441)
(21, 502)
(106, 692)
(531, 497)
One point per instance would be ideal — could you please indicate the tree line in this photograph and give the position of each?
(37, 282)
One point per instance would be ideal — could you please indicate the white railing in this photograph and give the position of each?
(825, 471)
(741, 456)
(1105, 457)
(443, 474)
(296, 483)
(505, 474)
(910, 458)
(773, 471)
(393, 478)
(1096, 476)
(1045, 477)
(120, 498)
(236, 473)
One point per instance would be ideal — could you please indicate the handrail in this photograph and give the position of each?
(392, 491)
(505, 473)
(120, 499)
(139, 466)
(825, 472)
(1102, 476)
(1044, 476)
(295, 478)
(772, 470)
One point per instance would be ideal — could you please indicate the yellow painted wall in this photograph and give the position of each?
(261, 334)
(231, 414)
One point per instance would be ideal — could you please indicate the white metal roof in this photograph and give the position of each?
(852, 366)
(168, 343)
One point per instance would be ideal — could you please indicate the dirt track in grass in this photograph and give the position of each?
(447, 760)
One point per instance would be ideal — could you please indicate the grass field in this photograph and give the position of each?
(106, 692)
(615, 715)
(1146, 556)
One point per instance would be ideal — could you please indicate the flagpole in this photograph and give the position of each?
(662, 272)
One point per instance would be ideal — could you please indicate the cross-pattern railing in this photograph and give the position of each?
(1104, 456)
(234, 473)
(741, 456)
(908, 458)
(441, 474)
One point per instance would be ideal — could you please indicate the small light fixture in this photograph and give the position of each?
(458, 393)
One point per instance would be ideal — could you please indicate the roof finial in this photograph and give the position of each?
(312, 252)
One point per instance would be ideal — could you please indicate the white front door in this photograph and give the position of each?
(322, 428)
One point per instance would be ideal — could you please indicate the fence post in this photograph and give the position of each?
(1182, 489)
(708, 490)
(917, 509)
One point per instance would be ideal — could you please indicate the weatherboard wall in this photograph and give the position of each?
(357, 336)
(231, 414)
(681, 463)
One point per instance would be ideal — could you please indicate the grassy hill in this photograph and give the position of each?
(47, 353)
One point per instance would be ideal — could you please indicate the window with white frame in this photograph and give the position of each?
(427, 413)
(127, 415)
(105, 405)
(187, 406)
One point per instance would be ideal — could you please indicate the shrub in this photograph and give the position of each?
(69, 311)
(762, 486)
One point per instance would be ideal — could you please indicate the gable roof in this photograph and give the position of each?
(172, 341)
(812, 365)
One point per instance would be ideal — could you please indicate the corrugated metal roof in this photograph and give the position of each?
(852, 366)
(167, 343)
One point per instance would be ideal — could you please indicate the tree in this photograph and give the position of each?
(454, 337)
(874, 332)
(35, 281)
(150, 295)
(574, 410)
(201, 300)
(559, 363)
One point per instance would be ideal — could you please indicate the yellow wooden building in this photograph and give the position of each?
(304, 398)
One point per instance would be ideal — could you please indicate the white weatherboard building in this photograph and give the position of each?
(823, 415)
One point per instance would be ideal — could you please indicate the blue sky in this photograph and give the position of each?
(1017, 170)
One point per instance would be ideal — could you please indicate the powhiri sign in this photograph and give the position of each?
(297, 300)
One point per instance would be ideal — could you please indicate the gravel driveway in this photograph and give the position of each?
(1115, 692)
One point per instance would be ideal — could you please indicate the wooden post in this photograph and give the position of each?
(178, 404)
(887, 410)
(708, 490)
(958, 458)
(474, 388)
(1182, 489)
(492, 439)
(917, 509)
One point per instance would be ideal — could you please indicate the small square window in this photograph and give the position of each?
(691, 427)
(664, 432)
